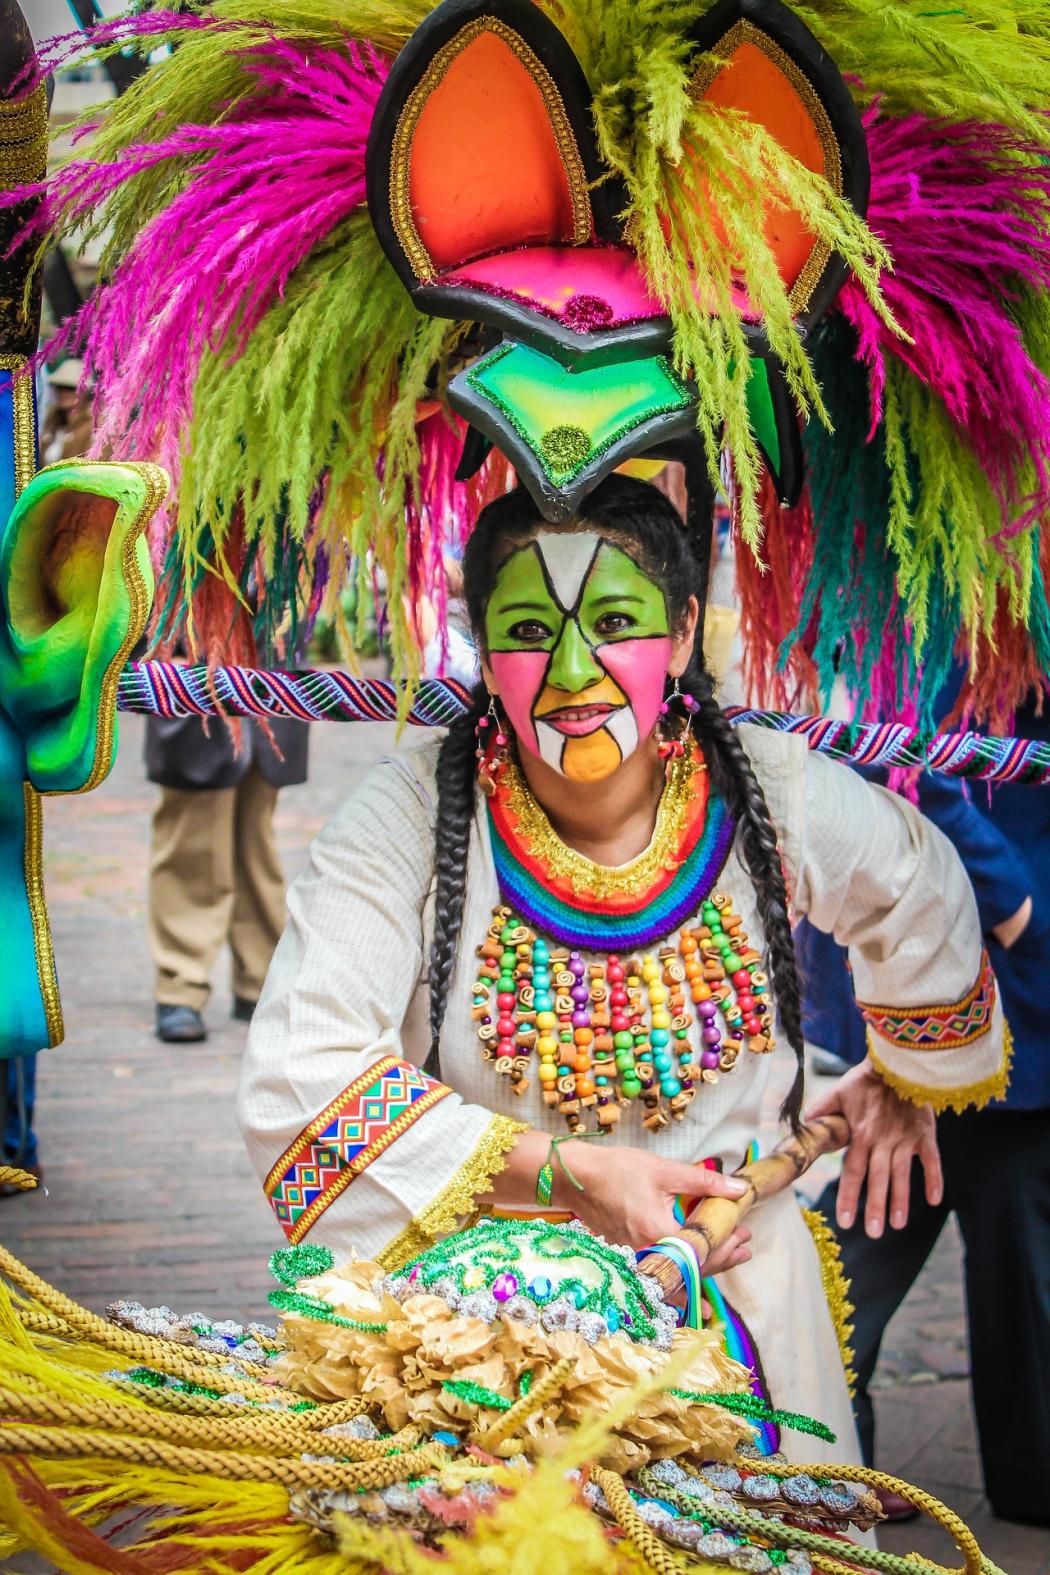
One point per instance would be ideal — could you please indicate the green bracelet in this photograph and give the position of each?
(545, 1178)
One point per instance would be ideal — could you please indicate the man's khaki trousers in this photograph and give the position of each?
(214, 876)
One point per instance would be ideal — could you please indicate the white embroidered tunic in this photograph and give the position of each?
(361, 1152)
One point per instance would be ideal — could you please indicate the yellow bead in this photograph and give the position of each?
(657, 994)
(547, 1072)
(661, 1019)
(547, 1046)
(650, 970)
(546, 1020)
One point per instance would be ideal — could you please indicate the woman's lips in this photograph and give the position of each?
(578, 720)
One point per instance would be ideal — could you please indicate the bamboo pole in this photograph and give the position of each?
(714, 1219)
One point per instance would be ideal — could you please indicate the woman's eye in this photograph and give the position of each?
(613, 623)
(530, 631)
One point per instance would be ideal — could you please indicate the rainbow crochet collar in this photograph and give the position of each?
(576, 902)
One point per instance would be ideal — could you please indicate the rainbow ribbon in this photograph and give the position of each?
(316, 695)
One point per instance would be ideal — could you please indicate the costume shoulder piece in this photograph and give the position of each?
(806, 246)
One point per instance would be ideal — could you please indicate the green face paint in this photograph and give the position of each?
(579, 641)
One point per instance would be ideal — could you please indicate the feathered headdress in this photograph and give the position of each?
(349, 248)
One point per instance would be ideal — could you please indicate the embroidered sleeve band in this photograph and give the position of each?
(345, 1138)
(937, 1027)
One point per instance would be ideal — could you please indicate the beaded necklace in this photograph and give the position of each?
(607, 1033)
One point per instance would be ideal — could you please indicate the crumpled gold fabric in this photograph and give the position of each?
(425, 1343)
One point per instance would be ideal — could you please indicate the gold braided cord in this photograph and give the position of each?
(186, 1403)
(649, 1545)
(598, 880)
(974, 1562)
(963, 1097)
(11, 1176)
(61, 1443)
(181, 1361)
(457, 1199)
(506, 1426)
(269, 1432)
(836, 1289)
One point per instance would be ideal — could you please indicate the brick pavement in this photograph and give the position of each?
(150, 1194)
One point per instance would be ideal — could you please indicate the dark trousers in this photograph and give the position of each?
(997, 1182)
(17, 1098)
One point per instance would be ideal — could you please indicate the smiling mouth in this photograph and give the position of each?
(576, 721)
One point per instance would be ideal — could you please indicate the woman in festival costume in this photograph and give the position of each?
(576, 912)
(688, 203)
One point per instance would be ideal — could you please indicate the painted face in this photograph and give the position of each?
(578, 642)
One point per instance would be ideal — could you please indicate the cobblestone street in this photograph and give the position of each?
(149, 1193)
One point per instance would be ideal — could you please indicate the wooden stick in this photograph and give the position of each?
(714, 1219)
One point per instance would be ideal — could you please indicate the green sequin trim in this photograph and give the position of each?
(311, 1307)
(755, 1409)
(476, 1394)
(292, 1264)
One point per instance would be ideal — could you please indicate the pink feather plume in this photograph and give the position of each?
(269, 183)
(965, 211)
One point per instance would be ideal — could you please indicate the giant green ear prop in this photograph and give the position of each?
(75, 591)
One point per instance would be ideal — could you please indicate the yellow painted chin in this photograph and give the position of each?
(592, 758)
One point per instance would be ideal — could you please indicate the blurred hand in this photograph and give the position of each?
(1014, 927)
(886, 1134)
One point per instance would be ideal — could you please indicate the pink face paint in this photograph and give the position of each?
(640, 669)
(520, 676)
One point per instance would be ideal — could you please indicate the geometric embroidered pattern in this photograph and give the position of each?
(345, 1138)
(937, 1027)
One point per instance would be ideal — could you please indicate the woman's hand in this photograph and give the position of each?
(628, 1196)
(886, 1134)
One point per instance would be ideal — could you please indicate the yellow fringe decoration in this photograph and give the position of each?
(836, 1289)
(11, 1176)
(457, 1198)
(971, 1095)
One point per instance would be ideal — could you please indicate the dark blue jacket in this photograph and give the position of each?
(1003, 839)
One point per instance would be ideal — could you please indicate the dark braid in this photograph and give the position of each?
(456, 776)
(676, 558)
(733, 775)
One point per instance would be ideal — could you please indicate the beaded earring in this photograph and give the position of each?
(492, 749)
(669, 748)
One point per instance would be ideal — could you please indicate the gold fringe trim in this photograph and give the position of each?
(975, 1095)
(23, 412)
(836, 1289)
(457, 1198)
(33, 860)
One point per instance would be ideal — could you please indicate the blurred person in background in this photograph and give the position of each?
(995, 1156)
(215, 873)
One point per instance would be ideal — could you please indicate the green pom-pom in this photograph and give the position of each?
(292, 1264)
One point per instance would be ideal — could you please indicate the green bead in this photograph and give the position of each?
(508, 960)
(681, 1033)
(631, 1088)
(623, 1040)
(734, 963)
(505, 984)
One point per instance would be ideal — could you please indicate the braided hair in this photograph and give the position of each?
(646, 524)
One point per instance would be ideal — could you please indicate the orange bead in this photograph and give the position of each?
(582, 1063)
(584, 1087)
(700, 992)
(687, 944)
(693, 968)
(583, 1036)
